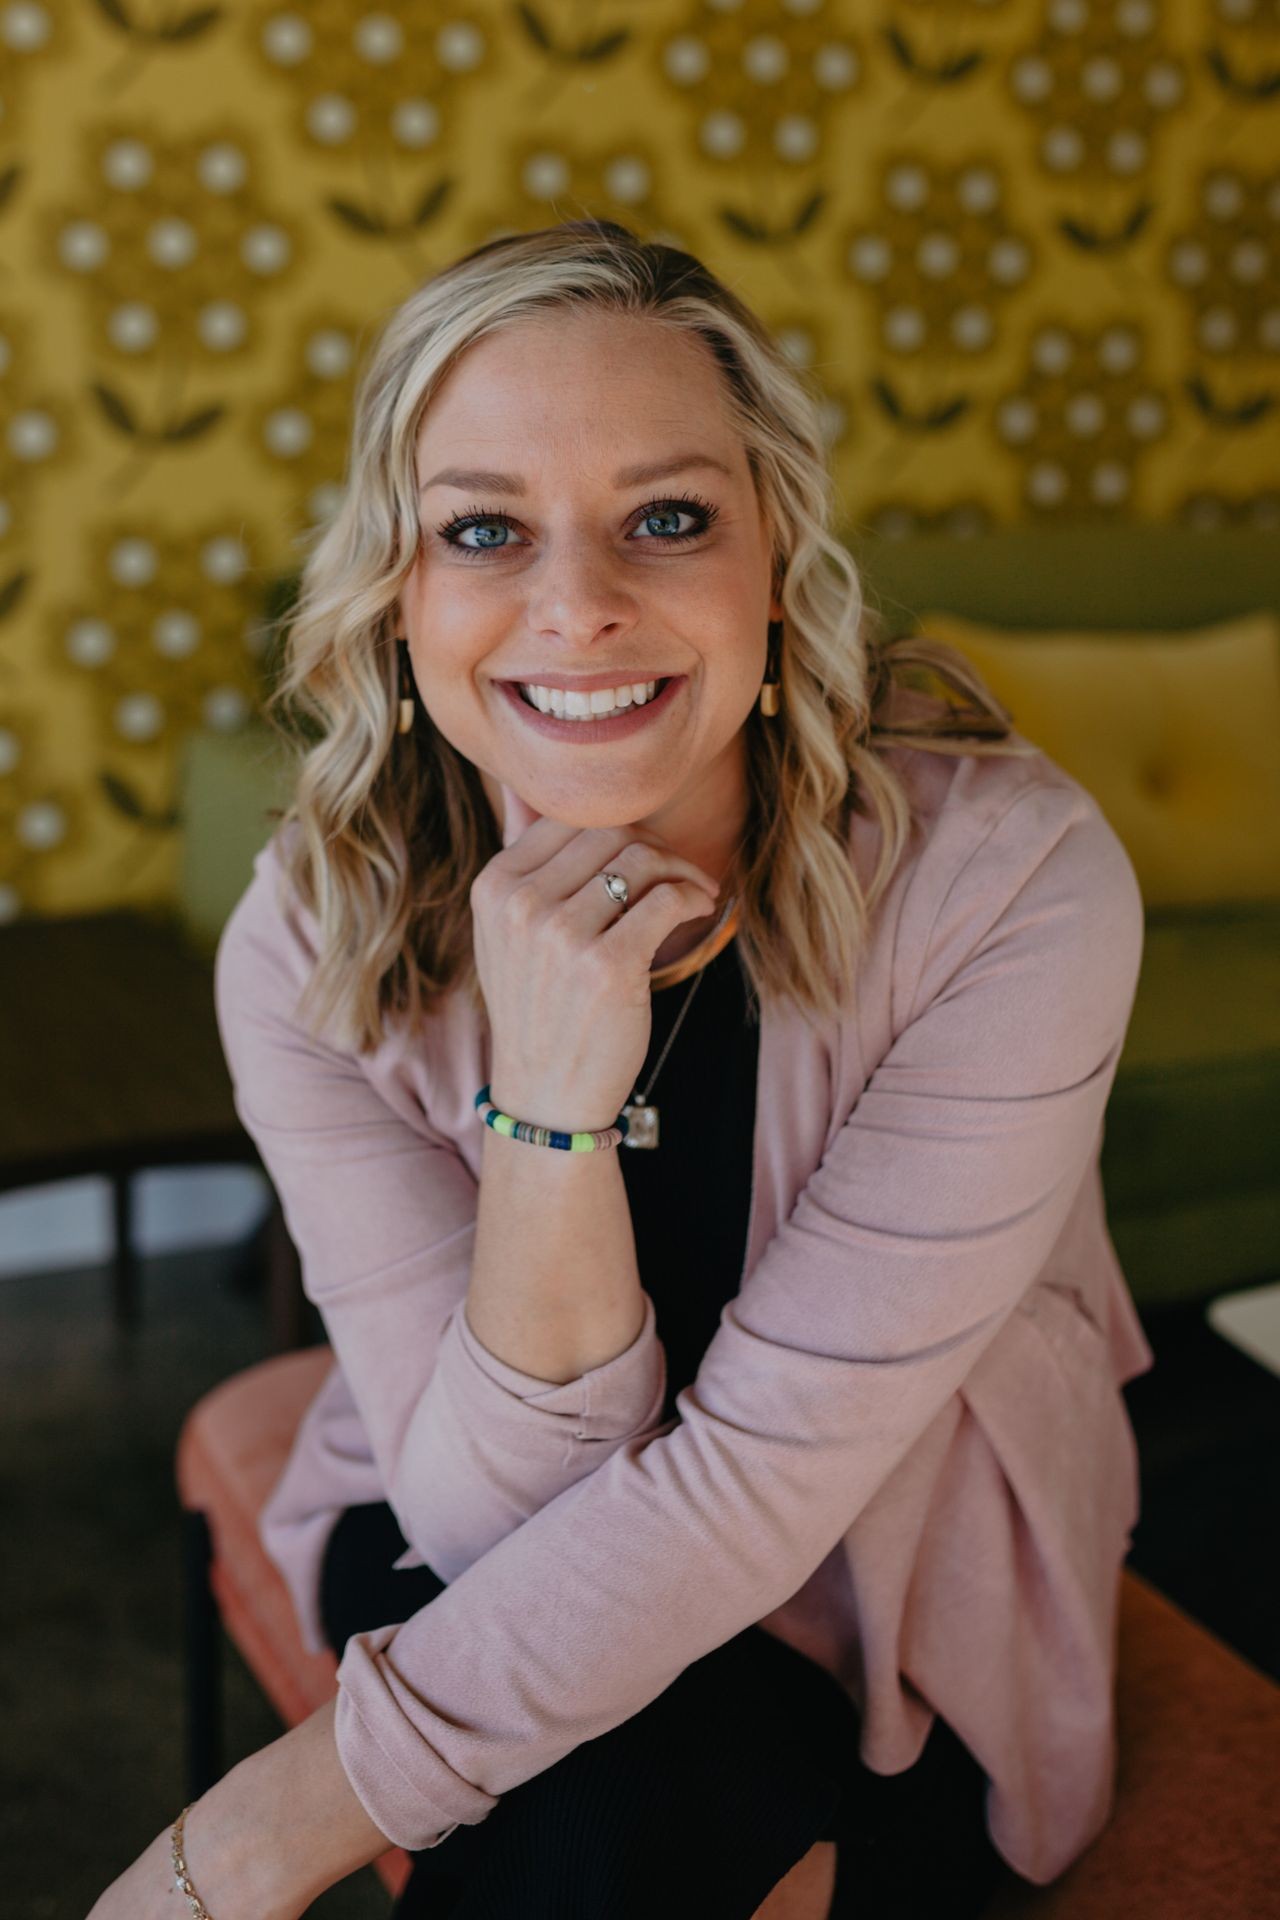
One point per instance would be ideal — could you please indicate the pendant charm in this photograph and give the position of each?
(643, 1128)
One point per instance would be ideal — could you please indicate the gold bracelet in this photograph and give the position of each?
(196, 1904)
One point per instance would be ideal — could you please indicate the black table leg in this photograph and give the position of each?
(124, 1269)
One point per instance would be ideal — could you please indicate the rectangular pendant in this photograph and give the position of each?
(643, 1128)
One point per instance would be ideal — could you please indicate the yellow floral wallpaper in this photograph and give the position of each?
(1027, 252)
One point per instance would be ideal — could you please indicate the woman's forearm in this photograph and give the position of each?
(281, 1827)
(555, 1287)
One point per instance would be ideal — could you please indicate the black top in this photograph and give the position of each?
(689, 1196)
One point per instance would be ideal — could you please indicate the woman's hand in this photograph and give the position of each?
(565, 971)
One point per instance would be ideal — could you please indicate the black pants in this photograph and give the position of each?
(700, 1802)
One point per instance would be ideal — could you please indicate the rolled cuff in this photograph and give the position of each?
(404, 1786)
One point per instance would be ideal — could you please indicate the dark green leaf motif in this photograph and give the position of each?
(125, 801)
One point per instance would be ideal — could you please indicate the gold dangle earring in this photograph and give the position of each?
(770, 690)
(405, 722)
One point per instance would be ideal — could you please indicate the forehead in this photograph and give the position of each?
(604, 389)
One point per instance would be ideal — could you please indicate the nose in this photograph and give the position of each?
(579, 597)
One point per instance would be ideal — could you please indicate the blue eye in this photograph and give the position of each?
(700, 510)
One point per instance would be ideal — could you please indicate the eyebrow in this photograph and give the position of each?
(483, 481)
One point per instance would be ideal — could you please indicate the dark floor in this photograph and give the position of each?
(91, 1688)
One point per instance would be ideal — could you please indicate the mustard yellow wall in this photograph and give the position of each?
(1028, 251)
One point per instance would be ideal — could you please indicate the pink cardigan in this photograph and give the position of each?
(906, 1452)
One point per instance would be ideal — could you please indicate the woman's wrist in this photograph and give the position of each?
(229, 1860)
(280, 1828)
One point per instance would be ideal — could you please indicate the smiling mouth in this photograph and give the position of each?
(591, 728)
(605, 713)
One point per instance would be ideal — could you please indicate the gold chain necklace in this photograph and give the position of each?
(642, 1130)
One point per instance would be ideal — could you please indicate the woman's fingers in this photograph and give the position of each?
(517, 815)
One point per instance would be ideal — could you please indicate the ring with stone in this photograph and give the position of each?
(615, 885)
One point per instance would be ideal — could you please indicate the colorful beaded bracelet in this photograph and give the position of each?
(548, 1136)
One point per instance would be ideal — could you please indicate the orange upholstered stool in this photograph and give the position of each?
(1194, 1835)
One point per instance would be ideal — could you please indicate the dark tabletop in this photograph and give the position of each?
(109, 1049)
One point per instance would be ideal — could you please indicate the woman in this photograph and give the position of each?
(754, 1472)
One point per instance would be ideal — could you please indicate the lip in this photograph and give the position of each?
(588, 732)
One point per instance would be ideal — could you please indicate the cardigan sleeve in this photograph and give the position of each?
(910, 1246)
(381, 1207)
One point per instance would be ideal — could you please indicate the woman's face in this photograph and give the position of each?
(564, 569)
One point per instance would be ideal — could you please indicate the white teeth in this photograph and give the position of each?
(588, 706)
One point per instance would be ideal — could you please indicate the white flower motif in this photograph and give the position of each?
(685, 60)
(414, 123)
(765, 59)
(1062, 148)
(972, 328)
(1222, 196)
(287, 39)
(1046, 483)
(138, 716)
(1031, 79)
(1117, 349)
(1008, 260)
(904, 329)
(225, 708)
(265, 248)
(40, 825)
(221, 325)
(1126, 150)
(1085, 415)
(906, 187)
(172, 241)
(328, 353)
(460, 47)
(1146, 415)
(133, 326)
(1052, 351)
(978, 189)
(288, 432)
(24, 27)
(133, 561)
(330, 119)
(1217, 330)
(90, 641)
(32, 434)
(1109, 482)
(795, 137)
(224, 559)
(83, 245)
(628, 179)
(1017, 420)
(175, 633)
(722, 135)
(1188, 262)
(835, 67)
(378, 38)
(938, 254)
(1163, 84)
(127, 164)
(222, 167)
(870, 257)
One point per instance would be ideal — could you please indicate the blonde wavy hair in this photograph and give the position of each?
(392, 830)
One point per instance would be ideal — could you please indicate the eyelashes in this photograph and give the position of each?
(704, 512)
